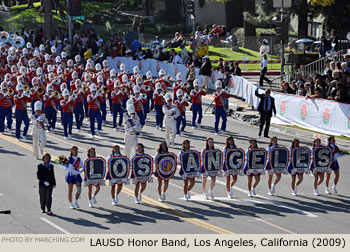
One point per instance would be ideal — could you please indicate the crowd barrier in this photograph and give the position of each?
(325, 116)
(154, 66)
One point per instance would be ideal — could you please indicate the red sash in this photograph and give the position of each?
(76, 164)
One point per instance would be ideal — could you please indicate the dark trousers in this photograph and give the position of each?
(45, 193)
(263, 77)
(265, 117)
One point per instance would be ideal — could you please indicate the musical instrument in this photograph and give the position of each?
(85, 88)
(165, 91)
(143, 96)
(204, 88)
(4, 37)
(41, 90)
(187, 97)
(147, 88)
(106, 90)
(57, 94)
(124, 89)
(11, 92)
(26, 87)
(169, 78)
(17, 41)
(74, 95)
(185, 85)
(27, 93)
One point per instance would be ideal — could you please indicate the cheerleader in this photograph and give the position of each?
(74, 169)
(38, 122)
(272, 187)
(115, 153)
(295, 144)
(188, 182)
(209, 145)
(162, 148)
(253, 144)
(318, 176)
(334, 166)
(138, 192)
(230, 144)
(91, 152)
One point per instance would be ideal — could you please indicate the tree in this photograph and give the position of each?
(249, 29)
(47, 5)
(265, 13)
(173, 10)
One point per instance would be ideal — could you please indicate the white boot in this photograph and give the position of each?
(335, 189)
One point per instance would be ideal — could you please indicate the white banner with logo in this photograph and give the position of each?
(154, 66)
(320, 115)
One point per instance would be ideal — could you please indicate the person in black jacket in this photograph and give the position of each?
(205, 71)
(265, 107)
(47, 182)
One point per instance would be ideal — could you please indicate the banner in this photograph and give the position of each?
(166, 165)
(322, 159)
(118, 169)
(212, 163)
(142, 168)
(256, 161)
(190, 162)
(154, 66)
(234, 162)
(95, 171)
(279, 159)
(301, 158)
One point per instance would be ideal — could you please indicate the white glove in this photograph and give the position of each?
(46, 183)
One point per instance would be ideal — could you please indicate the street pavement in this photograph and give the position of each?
(279, 214)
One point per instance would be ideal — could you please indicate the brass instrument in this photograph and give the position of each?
(143, 96)
(165, 91)
(41, 90)
(185, 85)
(106, 90)
(26, 87)
(74, 95)
(147, 88)
(226, 89)
(204, 87)
(4, 37)
(124, 89)
(27, 93)
(11, 92)
(188, 98)
(100, 91)
(169, 77)
(85, 88)
(57, 94)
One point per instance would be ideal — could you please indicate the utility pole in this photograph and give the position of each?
(191, 11)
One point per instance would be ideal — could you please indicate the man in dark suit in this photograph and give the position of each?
(47, 182)
(266, 106)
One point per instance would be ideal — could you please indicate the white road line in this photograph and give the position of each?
(275, 202)
(54, 225)
(200, 197)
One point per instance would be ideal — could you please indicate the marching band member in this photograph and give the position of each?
(181, 104)
(162, 80)
(50, 108)
(196, 95)
(117, 99)
(149, 88)
(135, 75)
(38, 121)
(209, 145)
(272, 187)
(158, 104)
(334, 166)
(171, 113)
(37, 93)
(94, 100)
(78, 66)
(78, 110)
(138, 104)
(318, 176)
(74, 169)
(132, 128)
(103, 93)
(5, 108)
(253, 144)
(177, 85)
(110, 84)
(21, 100)
(67, 105)
(186, 146)
(230, 144)
(219, 96)
(115, 153)
(91, 152)
(295, 144)
(122, 72)
(162, 148)
(140, 150)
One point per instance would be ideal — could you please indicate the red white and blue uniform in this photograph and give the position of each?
(50, 109)
(335, 154)
(245, 169)
(158, 106)
(219, 99)
(94, 112)
(5, 111)
(21, 114)
(181, 105)
(108, 158)
(74, 168)
(67, 115)
(139, 109)
(224, 151)
(117, 101)
(196, 96)
(268, 150)
(79, 109)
